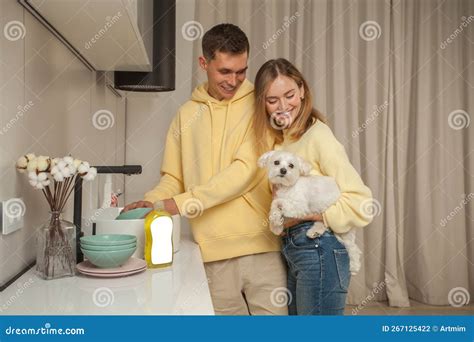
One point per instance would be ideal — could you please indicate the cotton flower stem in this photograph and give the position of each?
(64, 187)
(68, 190)
(47, 194)
(60, 194)
(47, 198)
(50, 196)
(55, 198)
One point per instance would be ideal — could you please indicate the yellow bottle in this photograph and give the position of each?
(158, 239)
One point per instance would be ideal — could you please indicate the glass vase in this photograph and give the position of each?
(56, 248)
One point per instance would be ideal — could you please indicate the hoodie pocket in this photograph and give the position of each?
(260, 198)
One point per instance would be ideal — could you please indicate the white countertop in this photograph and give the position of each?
(181, 289)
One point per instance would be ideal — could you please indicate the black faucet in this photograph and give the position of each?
(124, 169)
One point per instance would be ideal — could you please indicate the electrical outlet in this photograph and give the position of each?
(12, 215)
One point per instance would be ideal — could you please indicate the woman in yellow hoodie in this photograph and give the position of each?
(318, 269)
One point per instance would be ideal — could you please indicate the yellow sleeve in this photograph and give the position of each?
(235, 180)
(171, 181)
(351, 209)
(168, 187)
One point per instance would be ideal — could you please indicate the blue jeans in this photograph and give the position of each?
(318, 272)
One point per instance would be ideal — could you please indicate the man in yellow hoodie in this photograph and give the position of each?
(209, 174)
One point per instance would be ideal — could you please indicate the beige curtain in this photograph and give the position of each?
(396, 80)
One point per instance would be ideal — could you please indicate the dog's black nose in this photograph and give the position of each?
(283, 171)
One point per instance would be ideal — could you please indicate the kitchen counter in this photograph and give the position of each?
(181, 289)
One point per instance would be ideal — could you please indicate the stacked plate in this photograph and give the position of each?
(132, 266)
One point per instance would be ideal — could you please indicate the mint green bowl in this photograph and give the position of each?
(108, 259)
(108, 239)
(109, 248)
(134, 214)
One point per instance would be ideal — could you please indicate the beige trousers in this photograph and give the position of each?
(248, 285)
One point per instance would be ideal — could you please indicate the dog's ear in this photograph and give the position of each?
(304, 166)
(263, 160)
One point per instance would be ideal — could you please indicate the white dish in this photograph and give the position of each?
(113, 275)
(132, 266)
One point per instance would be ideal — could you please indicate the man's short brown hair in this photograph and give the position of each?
(227, 38)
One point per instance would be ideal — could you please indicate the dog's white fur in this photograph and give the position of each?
(298, 194)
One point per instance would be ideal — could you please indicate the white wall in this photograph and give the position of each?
(64, 96)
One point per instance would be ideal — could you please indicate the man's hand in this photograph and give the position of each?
(139, 204)
(170, 206)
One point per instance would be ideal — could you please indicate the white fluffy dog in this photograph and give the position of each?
(298, 194)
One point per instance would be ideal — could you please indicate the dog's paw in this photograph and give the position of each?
(289, 209)
(278, 204)
(312, 233)
(276, 229)
(316, 230)
(276, 218)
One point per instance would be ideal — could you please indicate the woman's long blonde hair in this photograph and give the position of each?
(266, 135)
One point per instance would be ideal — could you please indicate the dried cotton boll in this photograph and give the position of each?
(68, 159)
(30, 156)
(57, 172)
(64, 169)
(77, 162)
(61, 164)
(32, 175)
(42, 163)
(36, 180)
(83, 168)
(90, 175)
(85, 165)
(43, 179)
(54, 170)
(72, 169)
(58, 176)
(42, 176)
(54, 162)
(21, 164)
(32, 165)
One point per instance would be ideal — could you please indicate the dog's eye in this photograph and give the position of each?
(291, 166)
(276, 162)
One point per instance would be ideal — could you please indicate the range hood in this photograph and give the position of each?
(133, 36)
(162, 75)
